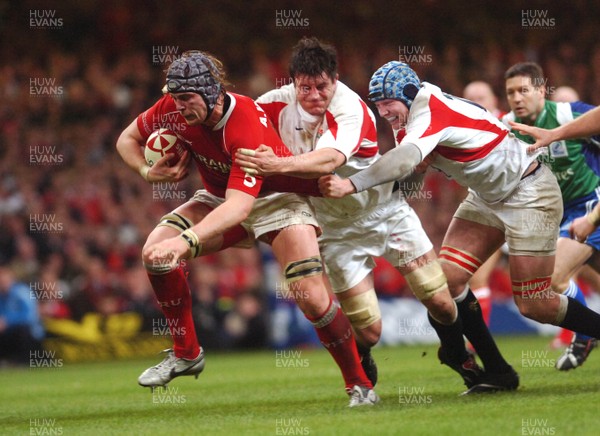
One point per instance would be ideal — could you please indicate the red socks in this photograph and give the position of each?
(175, 300)
(335, 332)
(333, 328)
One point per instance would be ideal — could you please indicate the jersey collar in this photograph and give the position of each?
(227, 114)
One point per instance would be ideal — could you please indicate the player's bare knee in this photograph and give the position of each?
(529, 310)
(442, 309)
(175, 221)
(312, 303)
(536, 311)
(155, 265)
(146, 254)
(370, 335)
(310, 309)
(457, 285)
(535, 299)
(362, 310)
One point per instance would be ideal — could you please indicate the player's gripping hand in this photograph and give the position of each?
(581, 228)
(425, 163)
(543, 137)
(162, 172)
(333, 186)
(169, 252)
(263, 161)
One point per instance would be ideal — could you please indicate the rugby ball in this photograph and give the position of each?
(162, 142)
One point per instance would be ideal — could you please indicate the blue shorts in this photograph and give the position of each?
(577, 208)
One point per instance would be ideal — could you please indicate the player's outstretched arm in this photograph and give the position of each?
(394, 165)
(130, 145)
(585, 126)
(543, 137)
(233, 211)
(263, 161)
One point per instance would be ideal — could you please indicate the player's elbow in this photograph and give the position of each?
(120, 145)
(332, 161)
(328, 168)
(243, 211)
(237, 207)
(244, 214)
(125, 143)
(129, 139)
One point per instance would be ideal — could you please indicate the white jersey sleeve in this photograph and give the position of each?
(347, 126)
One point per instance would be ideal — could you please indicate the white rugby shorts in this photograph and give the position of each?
(272, 212)
(529, 217)
(391, 230)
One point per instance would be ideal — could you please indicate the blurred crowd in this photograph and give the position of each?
(74, 217)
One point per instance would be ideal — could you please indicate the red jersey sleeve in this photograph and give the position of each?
(257, 129)
(247, 127)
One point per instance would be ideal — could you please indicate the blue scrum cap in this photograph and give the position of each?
(394, 80)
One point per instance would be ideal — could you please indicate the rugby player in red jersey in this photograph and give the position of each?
(233, 209)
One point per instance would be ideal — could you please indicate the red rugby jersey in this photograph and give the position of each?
(244, 125)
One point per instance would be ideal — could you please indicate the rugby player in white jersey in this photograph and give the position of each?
(329, 128)
(512, 197)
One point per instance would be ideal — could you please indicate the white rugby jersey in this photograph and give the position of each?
(469, 144)
(348, 126)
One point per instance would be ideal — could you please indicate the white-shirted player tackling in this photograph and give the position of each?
(512, 197)
(329, 128)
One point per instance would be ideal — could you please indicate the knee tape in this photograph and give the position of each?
(175, 221)
(158, 268)
(327, 317)
(460, 259)
(362, 310)
(301, 269)
(181, 224)
(536, 288)
(562, 309)
(427, 281)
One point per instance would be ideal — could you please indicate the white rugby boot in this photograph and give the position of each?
(170, 368)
